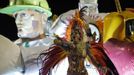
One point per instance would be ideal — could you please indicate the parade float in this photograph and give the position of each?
(77, 46)
(118, 39)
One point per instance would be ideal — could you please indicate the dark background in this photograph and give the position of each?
(61, 6)
(8, 26)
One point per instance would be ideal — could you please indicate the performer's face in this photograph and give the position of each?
(29, 23)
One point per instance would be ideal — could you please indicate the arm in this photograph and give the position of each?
(63, 43)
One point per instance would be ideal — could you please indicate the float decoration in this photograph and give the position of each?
(78, 48)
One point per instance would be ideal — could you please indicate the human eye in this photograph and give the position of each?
(25, 15)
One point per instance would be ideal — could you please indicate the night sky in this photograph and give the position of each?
(57, 7)
(61, 6)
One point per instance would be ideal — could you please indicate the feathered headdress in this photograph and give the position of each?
(77, 47)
